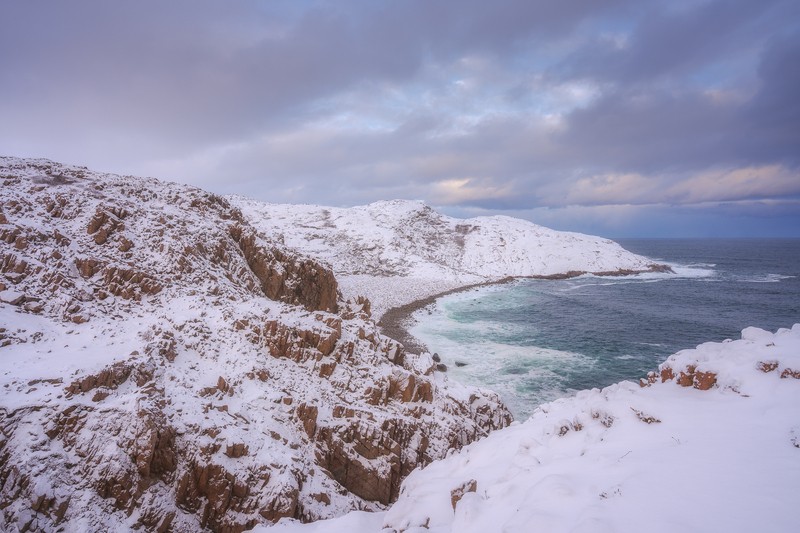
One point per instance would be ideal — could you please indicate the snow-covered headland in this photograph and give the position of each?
(397, 252)
(174, 360)
(709, 443)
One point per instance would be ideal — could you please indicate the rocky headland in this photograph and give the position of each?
(167, 366)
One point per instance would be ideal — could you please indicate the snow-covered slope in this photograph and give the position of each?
(709, 443)
(165, 365)
(425, 253)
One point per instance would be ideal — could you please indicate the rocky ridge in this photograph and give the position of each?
(168, 364)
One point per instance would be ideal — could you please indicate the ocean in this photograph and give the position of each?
(533, 341)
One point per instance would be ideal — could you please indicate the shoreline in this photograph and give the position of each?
(394, 322)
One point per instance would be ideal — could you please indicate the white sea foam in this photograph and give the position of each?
(678, 272)
(523, 374)
(765, 278)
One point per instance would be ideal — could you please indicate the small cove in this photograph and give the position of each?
(536, 340)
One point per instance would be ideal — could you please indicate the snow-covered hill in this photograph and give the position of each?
(423, 253)
(166, 365)
(709, 443)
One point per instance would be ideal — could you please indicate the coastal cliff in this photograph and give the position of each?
(398, 252)
(167, 366)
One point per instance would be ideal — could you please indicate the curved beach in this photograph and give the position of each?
(394, 322)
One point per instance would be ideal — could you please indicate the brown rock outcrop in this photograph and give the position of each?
(790, 373)
(224, 501)
(285, 277)
(689, 377)
(110, 377)
(767, 366)
(457, 493)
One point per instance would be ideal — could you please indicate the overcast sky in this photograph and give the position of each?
(619, 118)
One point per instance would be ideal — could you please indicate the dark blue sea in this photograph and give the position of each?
(533, 341)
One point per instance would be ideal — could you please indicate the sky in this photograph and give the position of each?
(623, 118)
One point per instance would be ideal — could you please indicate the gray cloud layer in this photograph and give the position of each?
(508, 105)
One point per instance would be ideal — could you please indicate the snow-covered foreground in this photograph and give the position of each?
(710, 443)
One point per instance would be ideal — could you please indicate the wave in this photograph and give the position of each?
(693, 270)
(679, 271)
(765, 278)
(501, 357)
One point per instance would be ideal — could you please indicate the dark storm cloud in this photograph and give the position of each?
(668, 40)
(655, 129)
(774, 112)
(182, 72)
(643, 126)
(648, 131)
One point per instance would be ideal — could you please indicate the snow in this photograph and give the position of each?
(11, 297)
(724, 459)
(395, 252)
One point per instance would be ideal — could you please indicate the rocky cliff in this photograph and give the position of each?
(168, 365)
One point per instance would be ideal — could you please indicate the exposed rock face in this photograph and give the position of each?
(690, 376)
(168, 367)
(286, 278)
(457, 493)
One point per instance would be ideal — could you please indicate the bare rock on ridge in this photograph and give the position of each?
(294, 280)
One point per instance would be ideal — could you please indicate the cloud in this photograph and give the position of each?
(465, 190)
(613, 189)
(750, 183)
(718, 185)
(513, 106)
(172, 77)
(773, 115)
(672, 39)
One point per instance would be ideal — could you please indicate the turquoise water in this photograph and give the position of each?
(533, 341)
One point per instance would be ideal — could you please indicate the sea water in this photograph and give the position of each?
(534, 340)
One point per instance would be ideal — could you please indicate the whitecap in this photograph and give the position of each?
(766, 278)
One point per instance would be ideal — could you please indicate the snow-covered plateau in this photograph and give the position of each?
(174, 360)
